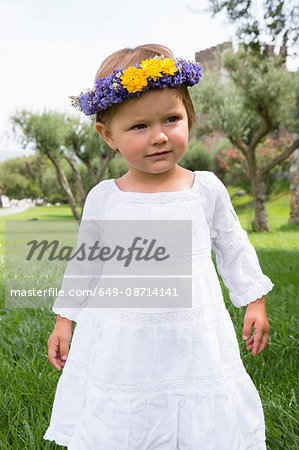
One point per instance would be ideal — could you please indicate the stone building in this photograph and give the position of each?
(209, 60)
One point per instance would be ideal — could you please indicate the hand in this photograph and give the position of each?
(256, 317)
(58, 342)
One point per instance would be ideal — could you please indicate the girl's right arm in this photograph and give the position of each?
(58, 342)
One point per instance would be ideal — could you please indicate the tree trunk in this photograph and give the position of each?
(260, 221)
(63, 181)
(78, 178)
(104, 163)
(2, 192)
(294, 188)
(90, 171)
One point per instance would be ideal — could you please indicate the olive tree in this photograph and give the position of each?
(258, 98)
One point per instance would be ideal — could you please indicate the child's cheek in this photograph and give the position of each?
(136, 145)
(180, 137)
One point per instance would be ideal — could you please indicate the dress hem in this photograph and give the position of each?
(259, 446)
(54, 434)
(60, 439)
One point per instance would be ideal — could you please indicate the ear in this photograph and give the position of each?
(106, 134)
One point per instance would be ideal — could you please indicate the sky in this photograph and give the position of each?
(50, 50)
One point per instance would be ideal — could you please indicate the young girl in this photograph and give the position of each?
(145, 379)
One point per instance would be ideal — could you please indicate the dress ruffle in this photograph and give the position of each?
(214, 418)
(205, 399)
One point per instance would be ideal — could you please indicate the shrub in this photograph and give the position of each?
(197, 157)
(117, 167)
(222, 144)
(231, 164)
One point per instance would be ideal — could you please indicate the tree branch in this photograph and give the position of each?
(63, 181)
(203, 130)
(263, 131)
(239, 144)
(289, 150)
(104, 163)
(82, 193)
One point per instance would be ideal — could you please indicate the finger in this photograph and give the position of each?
(263, 343)
(54, 360)
(257, 341)
(250, 341)
(247, 328)
(52, 350)
(54, 355)
(249, 344)
(64, 349)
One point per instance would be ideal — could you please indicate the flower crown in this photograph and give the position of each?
(129, 82)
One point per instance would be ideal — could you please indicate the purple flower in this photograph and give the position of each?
(109, 90)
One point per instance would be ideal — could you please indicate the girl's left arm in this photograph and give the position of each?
(238, 265)
(236, 258)
(256, 317)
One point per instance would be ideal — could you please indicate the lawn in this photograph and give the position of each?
(28, 382)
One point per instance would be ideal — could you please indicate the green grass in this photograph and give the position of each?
(62, 212)
(28, 382)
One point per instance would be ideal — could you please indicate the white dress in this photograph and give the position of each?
(171, 379)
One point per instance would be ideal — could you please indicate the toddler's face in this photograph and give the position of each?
(153, 123)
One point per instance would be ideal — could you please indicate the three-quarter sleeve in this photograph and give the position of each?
(236, 258)
(81, 275)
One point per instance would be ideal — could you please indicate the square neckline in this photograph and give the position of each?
(163, 195)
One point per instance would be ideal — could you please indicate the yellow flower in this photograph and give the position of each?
(168, 66)
(152, 68)
(133, 79)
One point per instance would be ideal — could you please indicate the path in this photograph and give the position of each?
(14, 210)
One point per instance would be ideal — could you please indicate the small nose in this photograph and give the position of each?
(158, 136)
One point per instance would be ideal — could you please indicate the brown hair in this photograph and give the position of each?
(127, 57)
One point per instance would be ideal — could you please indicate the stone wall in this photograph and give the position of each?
(208, 58)
(294, 178)
(209, 61)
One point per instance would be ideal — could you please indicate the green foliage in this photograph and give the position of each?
(256, 88)
(52, 191)
(45, 131)
(266, 88)
(223, 107)
(64, 138)
(21, 177)
(278, 22)
(86, 144)
(117, 167)
(197, 157)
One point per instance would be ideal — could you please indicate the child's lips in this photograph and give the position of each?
(159, 155)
